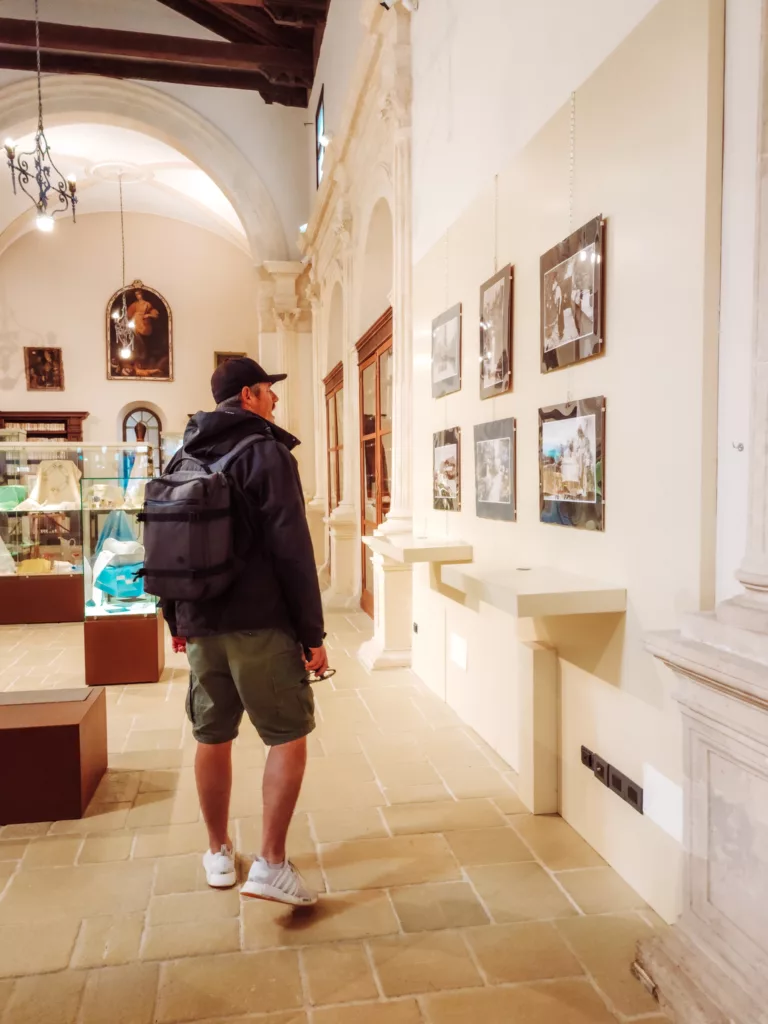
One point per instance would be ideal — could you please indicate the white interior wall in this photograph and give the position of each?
(54, 291)
(647, 156)
(486, 76)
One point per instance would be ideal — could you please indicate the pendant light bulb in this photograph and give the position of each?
(44, 223)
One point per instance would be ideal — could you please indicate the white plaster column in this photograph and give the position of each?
(318, 506)
(390, 646)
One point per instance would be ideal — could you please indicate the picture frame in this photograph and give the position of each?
(496, 470)
(44, 369)
(223, 357)
(151, 358)
(572, 464)
(496, 306)
(446, 352)
(446, 470)
(573, 298)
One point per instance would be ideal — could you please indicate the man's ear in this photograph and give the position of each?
(245, 397)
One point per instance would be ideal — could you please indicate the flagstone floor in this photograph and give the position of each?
(444, 902)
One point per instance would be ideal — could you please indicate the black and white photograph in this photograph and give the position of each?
(446, 471)
(571, 444)
(496, 334)
(446, 352)
(495, 470)
(571, 298)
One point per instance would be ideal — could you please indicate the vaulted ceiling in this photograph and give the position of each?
(268, 46)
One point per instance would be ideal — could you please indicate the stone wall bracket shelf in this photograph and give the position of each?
(409, 550)
(534, 592)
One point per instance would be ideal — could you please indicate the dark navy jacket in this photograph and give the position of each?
(278, 586)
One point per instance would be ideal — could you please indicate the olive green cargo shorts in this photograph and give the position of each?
(260, 672)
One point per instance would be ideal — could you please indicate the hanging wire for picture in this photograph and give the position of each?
(571, 162)
(35, 173)
(496, 224)
(124, 328)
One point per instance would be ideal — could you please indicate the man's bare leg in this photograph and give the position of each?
(283, 775)
(213, 774)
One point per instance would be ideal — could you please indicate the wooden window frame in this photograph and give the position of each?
(334, 383)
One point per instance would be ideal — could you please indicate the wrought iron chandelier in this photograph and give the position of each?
(36, 173)
(124, 328)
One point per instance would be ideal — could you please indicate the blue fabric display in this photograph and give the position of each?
(119, 581)
(118, 526)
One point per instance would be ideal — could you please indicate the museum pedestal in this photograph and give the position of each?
(128, 649)
(53, 597)
(712, 967)
(53, 753)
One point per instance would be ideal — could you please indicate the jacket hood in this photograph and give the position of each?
(210, 434)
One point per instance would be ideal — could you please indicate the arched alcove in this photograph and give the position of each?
(334, 351)
(378, 264)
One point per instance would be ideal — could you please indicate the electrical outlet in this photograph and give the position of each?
(617, 782)
(600, 768)
(634, 796)
(586, 757)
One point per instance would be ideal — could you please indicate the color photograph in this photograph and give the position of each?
(446, 477)
(571, 480)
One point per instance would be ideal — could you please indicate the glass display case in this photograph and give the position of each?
(41, 551)
(123, 627)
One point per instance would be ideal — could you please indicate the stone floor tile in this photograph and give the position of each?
(434, 907)
(193, 907)
(46, 999)
(6, 988)
(560, 1002)
(380, 863)
(171, 840)
(108, 941)
(522, 952)
(292, 1017)
(428, 962)
(606, 946)
(338, 973)
(510, 803)
(248, 835)
(519, 892)
(400, 774)
(450, 816)
(319, 796)
(417, 794)
(405, 1011)
(97, 818)
(469, 783)
(29, 949)
(86, 891)
(144, 760)
(184, 873)
(600, 890)
(52, 852)
(118, 787)
(12, 849)
(333, 768)
(120, 995)
(228, 985)
(488, 846)
(166, 780)
(101, 849)
(345, 825)
(209, 936)
(7, 870)
(555, 843)
(337, 917)
(25, 831)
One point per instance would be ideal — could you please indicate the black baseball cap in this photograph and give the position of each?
(231, 377)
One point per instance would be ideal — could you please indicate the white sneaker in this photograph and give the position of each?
(219, 867)
(281, 883)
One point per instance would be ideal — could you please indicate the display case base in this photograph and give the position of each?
(52, 755)
(126, 649)
(50, 598)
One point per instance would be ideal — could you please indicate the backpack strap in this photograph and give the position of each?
(220, 465)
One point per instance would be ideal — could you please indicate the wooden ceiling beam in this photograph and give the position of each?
(155, 71)
(139, 46)
(239, 25)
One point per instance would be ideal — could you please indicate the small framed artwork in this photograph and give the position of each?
(572, 298)
(446, 353)
(496, 334)
(44, 369)
(446, 474)
(572, 464)
(223, 357)
(495, 465)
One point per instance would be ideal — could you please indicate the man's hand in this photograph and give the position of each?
(179, 644)
(318, 662)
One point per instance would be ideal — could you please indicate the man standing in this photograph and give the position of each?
(250, 648)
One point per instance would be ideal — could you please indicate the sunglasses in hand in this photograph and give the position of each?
(319, 677)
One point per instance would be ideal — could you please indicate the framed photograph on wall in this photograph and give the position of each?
(496, 334)
(495, 467)
(223, 357)
(572, 464)
(150, 357)
(44, 369)
(446, 470)
(572, 297)
(446, 352)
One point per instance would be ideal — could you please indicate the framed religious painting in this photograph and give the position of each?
(496, 334)
(223, 357)
(572, 298)
(446, 470)
(446, 353)
(572, 464)
(147, 352)
(44, 369)
(495, 466)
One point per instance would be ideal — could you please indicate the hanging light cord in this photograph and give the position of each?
(122, 239)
